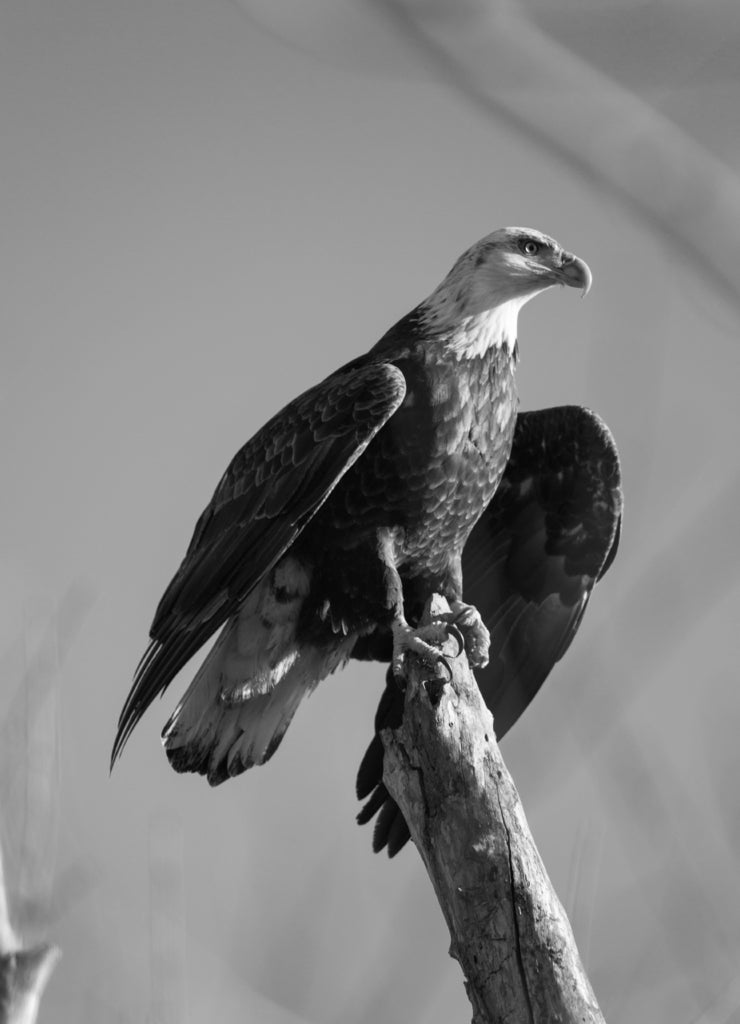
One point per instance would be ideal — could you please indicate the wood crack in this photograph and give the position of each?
(508, 930)
(514, 911)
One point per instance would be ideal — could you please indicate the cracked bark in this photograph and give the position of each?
(509, 932)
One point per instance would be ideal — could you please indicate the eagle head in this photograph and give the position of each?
(477, 305)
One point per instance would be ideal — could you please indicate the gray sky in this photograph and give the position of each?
(207, 207)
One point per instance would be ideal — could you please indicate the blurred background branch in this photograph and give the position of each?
(30, 774)
(516, 63)
(497, 55)
(30, 754)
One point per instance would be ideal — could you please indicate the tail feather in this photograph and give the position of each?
(243, 698)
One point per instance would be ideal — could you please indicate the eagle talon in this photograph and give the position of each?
(464, 620)
(445, 662)
(407, 640)
(441, 659)
(456, 633)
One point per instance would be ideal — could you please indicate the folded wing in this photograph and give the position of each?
(271, 490)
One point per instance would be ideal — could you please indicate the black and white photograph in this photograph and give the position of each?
(369, 562)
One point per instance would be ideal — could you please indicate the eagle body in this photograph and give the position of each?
(417, 492)
(338, 519)
(390, 532)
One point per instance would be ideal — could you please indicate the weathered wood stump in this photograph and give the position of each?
(509, 931)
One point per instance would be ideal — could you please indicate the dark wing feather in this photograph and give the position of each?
(272, 489)
(550, 532)
(531, 562)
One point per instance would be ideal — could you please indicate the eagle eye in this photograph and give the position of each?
(529, 247)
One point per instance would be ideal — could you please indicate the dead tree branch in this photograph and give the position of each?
(23, 972)
(509, 932)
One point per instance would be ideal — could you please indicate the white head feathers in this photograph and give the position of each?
(477, 305)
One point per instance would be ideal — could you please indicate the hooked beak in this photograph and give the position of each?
(574, 272)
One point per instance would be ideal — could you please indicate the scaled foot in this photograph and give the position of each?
(474, 631)
(421, 642)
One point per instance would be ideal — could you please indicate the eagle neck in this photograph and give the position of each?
(465, 335)
(485, 337)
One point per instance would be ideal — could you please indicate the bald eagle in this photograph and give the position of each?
(392, 479)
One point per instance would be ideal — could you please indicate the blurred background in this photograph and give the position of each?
(209, 205)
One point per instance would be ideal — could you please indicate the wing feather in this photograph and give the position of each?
(533, 558)
(273, 487)
(529, 566)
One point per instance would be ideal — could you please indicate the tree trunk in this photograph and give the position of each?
(509, 932)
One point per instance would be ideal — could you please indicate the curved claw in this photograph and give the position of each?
(465, 621)
(445, 661)
(454, 630)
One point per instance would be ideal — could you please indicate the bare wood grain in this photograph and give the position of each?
(509, 931)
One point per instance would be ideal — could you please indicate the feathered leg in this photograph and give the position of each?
(424, 642)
